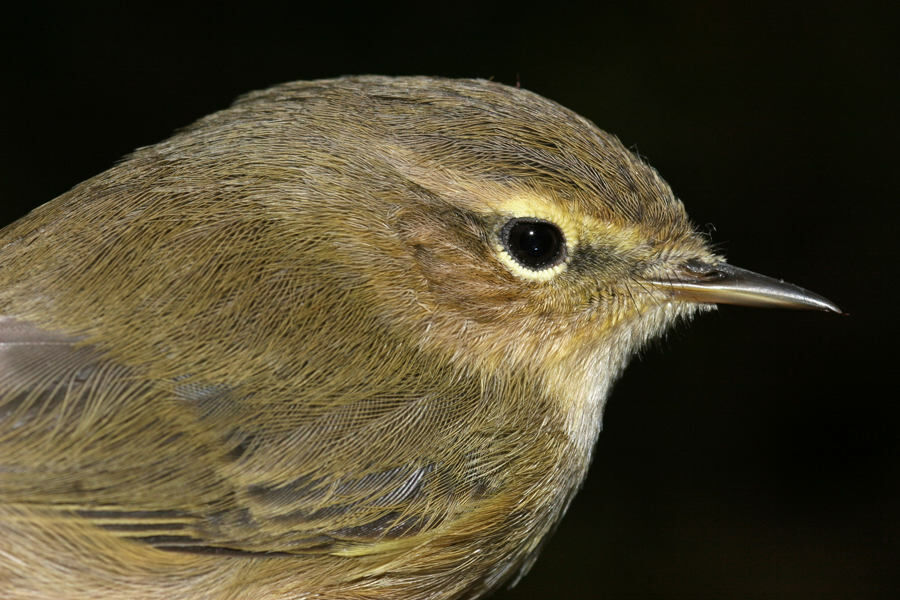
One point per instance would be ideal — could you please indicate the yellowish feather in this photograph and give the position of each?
(345, 339)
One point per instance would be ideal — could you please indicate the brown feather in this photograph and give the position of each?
(279, 356)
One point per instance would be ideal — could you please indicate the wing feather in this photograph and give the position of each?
(181, 464)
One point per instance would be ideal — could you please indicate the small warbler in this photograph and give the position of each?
(346, 339)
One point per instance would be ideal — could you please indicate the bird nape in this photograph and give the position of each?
(345, 339)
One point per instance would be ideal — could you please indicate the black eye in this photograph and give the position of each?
(533, 243)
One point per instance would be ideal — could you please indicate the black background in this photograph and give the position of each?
(753, 454)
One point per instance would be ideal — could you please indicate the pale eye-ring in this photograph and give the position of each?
(534, 244)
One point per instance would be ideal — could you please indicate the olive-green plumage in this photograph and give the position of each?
(287, 353)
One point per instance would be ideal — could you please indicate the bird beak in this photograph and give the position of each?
(720, 283)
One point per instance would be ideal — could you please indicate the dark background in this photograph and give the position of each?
(753, 454)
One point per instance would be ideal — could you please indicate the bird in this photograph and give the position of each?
(345, 339)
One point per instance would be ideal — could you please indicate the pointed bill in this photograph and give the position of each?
(722, 283)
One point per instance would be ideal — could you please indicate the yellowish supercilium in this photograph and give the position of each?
(346, 339)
